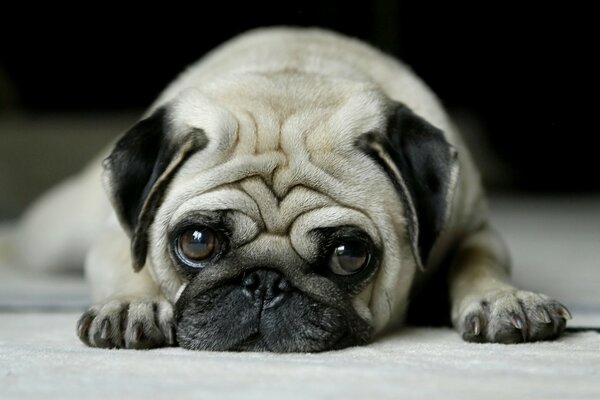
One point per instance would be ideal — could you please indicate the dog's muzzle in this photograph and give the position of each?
(260, 310)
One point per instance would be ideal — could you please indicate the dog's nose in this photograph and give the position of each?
(265, 287)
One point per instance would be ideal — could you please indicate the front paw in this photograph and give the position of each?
(130, 324)
(512, 316)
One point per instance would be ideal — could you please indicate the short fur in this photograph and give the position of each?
(285, 140)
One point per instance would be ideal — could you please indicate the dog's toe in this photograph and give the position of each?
(135, 324)
(513, 316)
(142, 330)
(83, 326)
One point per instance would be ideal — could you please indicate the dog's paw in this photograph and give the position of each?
(512, 316)
(130, 324)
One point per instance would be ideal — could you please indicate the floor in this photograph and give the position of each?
(556, 249)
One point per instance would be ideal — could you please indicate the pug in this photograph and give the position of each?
(293, 191)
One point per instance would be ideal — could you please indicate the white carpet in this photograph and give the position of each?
(41, 358)
(556, 247)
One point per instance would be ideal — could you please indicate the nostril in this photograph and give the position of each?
(277, 292)
(251, 281)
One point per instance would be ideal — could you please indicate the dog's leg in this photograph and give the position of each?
(129, 309)
(485, 307)
(58, 229)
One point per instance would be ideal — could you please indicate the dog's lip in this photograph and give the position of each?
(256, 342)
(343, 340)
(251, 339)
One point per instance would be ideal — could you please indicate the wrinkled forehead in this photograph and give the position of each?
(290, 113)
(278, 152)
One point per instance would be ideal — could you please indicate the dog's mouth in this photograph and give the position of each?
(256, 342)
(266, 314)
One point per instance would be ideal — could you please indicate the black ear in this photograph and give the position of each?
(138, 172)
(423, 167)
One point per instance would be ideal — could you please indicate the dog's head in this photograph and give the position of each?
(282, 212)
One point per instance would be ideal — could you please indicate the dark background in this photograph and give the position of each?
(523, 70)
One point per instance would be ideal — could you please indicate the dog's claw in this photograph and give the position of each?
(475, 325)
(83, 326)
(138, 332)
(171, 334)
(473, 328)
(517, 322)
(542, 315)
(105, 330)
(564, 312)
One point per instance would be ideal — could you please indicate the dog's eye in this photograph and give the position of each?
(349, 257)
(197, 244)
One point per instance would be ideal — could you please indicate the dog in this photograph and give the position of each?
(293, 191)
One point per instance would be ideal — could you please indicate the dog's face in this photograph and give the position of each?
(284, 212)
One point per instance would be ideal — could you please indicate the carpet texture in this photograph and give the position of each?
(41, 358)
(556, 249)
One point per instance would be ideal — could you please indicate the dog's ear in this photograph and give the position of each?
(138, 171)
(423, 167)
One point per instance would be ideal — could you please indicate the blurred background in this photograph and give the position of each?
(518, 78)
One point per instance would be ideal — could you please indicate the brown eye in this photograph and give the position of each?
(349, 257)
(196, 244)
